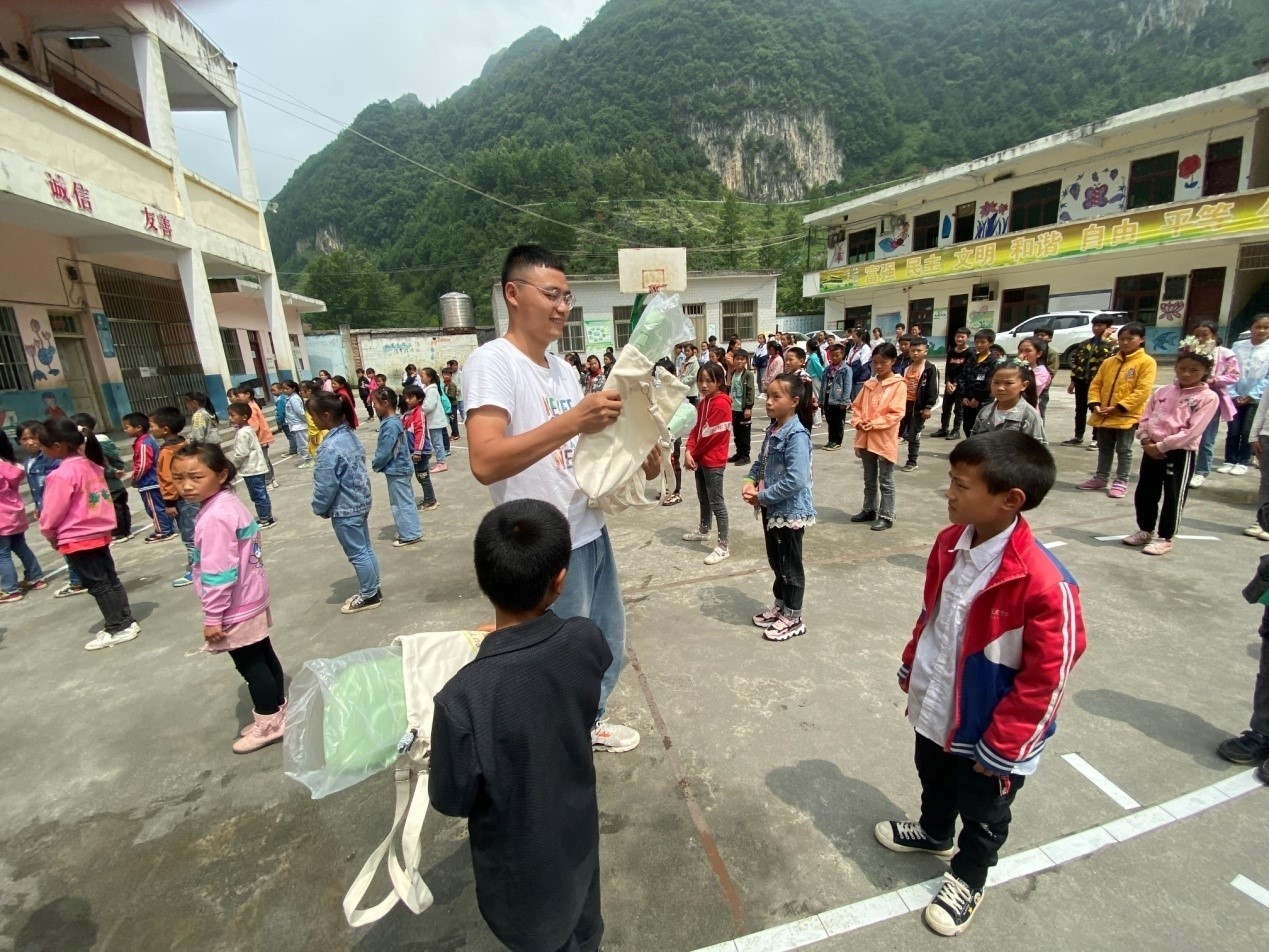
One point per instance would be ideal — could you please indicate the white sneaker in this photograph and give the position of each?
(1239, 470)
(1252, 531)
(1225, 468)
(613, 738)
(695, 536)
(717, 555)
(1197, 480)
(105, 639)
(1140, 537)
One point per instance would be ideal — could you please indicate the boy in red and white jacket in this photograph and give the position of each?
(706, 455)
(985, 670)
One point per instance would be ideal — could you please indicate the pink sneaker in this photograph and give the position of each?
(1093, 482)
(1118, 489)
(1140, 537)
(1158, 547)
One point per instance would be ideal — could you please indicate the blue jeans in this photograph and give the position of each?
(186, 513)
(438, 437)
(12, 545)
(1237, 448)
(298, 441)
(591, 591)
(353, 533)
(258, 490)
(404, 513)
(1207, 448)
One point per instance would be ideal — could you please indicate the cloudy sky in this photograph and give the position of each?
(337, 56)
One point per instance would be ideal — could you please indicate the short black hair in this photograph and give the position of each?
(412, 390)
(86, 420)
(139, 420)
(1135, 328)
(522, 257)
(918, 342)
(169, 417)
(240, 409)
(961, 330)
(886, 349)
(1104, 319)
(795, 351)
(520, 547)
(1046, 329)
(907, 339)
(1009, 459)
(985, 333)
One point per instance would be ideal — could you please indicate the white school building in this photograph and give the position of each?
(1162, 212)
(125, 278)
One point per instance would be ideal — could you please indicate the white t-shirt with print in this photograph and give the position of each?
(499, 375)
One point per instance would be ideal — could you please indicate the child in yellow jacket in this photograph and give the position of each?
(315, 435)
(1116, 398)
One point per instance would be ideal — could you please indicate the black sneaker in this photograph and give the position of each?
(1262, 772)
(953, 435)
(360, 603)
(908, 467)
(904, 836)
(1072, 442)
(866, 515)
(1249, 747)
(268, 523)
(881, 525)
(950, 911)
(938, 433)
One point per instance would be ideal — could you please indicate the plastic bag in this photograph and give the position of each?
(683, 420)
(662, 325)
(345, 719)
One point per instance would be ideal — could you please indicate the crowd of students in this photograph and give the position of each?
(981, 705)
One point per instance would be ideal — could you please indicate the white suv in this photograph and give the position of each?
(1069, 329)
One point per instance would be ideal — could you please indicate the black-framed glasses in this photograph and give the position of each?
(554, 295)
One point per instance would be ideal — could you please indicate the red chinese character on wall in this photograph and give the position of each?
(151, 223)
(83, 200)
(57, 188)
(165, 226)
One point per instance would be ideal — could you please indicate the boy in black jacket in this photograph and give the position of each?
(973, 387)
(511, 747)
(957, 355)
(922, 378)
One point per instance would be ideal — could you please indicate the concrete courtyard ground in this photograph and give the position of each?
(128, 824)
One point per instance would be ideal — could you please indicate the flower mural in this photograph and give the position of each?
(1188, 170)
(42, 351)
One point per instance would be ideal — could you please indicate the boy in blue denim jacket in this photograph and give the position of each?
(341, 493)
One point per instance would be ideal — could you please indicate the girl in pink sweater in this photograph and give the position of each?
(1170, 430)
(232, 586)
(78, 519)
(13, 525)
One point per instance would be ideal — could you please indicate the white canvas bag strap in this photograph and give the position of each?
(407, 885)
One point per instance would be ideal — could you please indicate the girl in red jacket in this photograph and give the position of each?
(78, 519)
(706, 455)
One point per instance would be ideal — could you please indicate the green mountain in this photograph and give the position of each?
(647, 125)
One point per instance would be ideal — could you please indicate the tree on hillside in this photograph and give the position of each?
(731, 230)
(356, 292)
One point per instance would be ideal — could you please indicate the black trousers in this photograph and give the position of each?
(951, 787)
(96, 570)
(911, 429)
(784, 555)
(123, 514)
(453, 419)
(836, 417)
(968, 416)
(1081, 407)
(951, 406)
(742, 430)
(261, 669)
(1168, 478)
(590, 927)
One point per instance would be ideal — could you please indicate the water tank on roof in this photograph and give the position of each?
(457, 312)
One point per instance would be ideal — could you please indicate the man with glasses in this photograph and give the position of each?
(525, 411)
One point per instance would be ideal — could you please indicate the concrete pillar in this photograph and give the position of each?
(283, 354)
(248, 188)
(202, 317)
(147, 54)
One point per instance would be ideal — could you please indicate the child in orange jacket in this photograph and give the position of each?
(876, 414)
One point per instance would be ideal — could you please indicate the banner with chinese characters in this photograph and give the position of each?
(1219, 216)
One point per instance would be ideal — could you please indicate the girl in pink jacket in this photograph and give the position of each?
(232, 586)
(13, 525)
(78, 519)
(1170, 431)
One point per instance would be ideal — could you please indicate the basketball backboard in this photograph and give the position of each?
(641, 269)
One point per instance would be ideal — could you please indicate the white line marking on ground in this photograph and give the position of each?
(1101, 781)
(1200, 538)
(1053, 545)
(1117, 538)
(1254, 890)
(900, 902)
